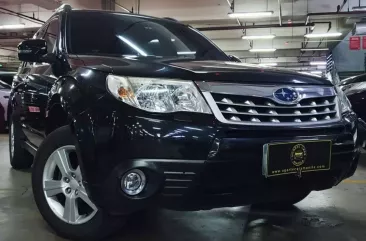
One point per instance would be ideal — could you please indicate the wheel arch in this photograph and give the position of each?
(72, 102)
(56, 116)
(10, 108)
(63, 104)
(14, 101)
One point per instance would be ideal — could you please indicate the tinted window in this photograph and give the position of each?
(41, 32)
(4, 85)
(7, 79)
(95, 33)
(24, 69)
(52, 34)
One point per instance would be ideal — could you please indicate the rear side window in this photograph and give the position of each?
(52, 34)
(41, 32)
(8, 79)
(4, 85)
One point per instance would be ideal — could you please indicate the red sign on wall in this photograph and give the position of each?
(364, 42)
(355, 43)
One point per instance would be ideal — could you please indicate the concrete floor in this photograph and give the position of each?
(338, 214)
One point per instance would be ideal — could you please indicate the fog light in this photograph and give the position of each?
(133, 182)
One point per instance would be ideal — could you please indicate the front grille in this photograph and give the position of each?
(256, 109)
(320, 106)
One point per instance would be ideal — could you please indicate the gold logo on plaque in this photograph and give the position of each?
(298, 155)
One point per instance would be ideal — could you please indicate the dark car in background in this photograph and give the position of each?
(351, 81)
(125, 112)
(4, 101)
(355, 90)
(6, 80)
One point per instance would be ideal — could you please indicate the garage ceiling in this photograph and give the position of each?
(297, 18)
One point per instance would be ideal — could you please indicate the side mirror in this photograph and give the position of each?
(32, 50)
(234, 59)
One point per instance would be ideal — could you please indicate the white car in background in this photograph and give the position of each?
(4, 99)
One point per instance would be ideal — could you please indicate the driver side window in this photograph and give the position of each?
(52, 34)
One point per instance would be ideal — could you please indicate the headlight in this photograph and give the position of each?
(345, 104)
(157, 95)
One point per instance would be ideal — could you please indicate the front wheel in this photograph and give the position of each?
(60, 194)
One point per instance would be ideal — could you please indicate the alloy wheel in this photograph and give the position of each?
(63, 187)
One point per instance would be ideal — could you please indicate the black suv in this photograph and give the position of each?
(124, 112)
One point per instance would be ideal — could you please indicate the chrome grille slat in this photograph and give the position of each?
(279, 107)
(256, 105)
(279, 115)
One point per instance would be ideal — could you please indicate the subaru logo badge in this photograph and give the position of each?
(286, 95)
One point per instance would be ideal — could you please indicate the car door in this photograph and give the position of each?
(34, 89)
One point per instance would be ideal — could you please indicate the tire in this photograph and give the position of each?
(68, 186)
(285, 203)
(19, 157)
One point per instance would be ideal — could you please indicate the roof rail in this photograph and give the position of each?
(171, 19)
(64, 7)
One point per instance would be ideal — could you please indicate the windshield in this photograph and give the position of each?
(137, 36)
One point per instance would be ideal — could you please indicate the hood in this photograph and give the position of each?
(219, 71)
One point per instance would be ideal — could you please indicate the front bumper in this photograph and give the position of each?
(192, 162)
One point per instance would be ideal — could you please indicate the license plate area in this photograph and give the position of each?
(284, 158)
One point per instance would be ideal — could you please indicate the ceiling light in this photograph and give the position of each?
(132, 45)
(250, 14)
(322, 67)
(267, 64)
(322, 35)
(12, 26)
(316, 72)
(186, 52)
(316, 49)
(271, 36)
(318, 63)
(262, 50)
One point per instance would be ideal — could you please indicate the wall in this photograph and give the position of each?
(41, 13)
(84, 4)
(348, 60)
(27, 9)
(33, 11)
(352, 3)
(218, 9)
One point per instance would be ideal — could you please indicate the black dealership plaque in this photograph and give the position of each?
(296, 157)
